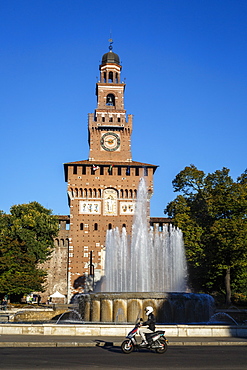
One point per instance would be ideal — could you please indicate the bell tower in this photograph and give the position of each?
(109, 128)
(102, 189)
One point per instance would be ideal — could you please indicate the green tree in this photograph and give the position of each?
(26, 241)
(211, 211)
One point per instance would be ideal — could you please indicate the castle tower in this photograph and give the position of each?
(102, 190)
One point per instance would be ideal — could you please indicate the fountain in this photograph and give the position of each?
(147, 269)
(70, 317)
(222, 318)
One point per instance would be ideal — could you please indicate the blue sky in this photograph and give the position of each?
(185, 67)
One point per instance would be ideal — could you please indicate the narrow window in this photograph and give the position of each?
(84, 170)
(95, 226)
(110, 170)
(101, 170)
(137, 171)
(81, 226)
(110, 77)
(103, 119)
(145, 171)
(109, 226)
(119, 171)
(75, 170)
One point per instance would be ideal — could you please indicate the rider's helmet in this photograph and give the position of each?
(148, 310)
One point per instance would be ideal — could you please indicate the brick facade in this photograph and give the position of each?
(101, 190)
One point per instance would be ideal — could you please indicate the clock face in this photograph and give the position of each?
(110, 141)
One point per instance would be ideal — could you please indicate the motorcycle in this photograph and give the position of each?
(156, 341)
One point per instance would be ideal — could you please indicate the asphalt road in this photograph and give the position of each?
(198, 357)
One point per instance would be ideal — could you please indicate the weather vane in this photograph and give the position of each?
(111, 42)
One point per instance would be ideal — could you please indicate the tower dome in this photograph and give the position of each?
(110, 57)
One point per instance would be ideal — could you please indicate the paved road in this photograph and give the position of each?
(182, 357)
(9, 340)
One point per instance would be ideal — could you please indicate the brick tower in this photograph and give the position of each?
(102, 190)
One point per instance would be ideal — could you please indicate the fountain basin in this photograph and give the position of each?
(121, 330)
(169, 308)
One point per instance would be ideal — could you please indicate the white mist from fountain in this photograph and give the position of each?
(149, 260)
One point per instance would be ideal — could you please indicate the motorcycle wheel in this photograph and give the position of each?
(162, 349)
(127, 346)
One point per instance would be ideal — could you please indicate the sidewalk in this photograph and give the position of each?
(91, 341)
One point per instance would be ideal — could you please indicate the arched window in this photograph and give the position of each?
(110, 77)
(109, 226)
(116, 78)
(110, 99)
(124, 225)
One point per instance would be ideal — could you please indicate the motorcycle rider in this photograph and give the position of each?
(150, 322)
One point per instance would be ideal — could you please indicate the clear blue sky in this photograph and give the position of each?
(185, 64)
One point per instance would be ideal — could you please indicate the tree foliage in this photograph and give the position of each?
(212, 213)
(26, 241)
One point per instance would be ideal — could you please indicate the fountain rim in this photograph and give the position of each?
(146, 295)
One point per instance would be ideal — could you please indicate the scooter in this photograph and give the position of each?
(156, 341)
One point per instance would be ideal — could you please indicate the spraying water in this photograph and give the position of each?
(148, 261)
